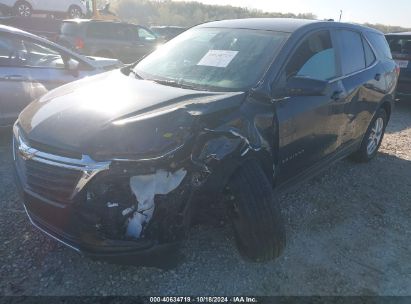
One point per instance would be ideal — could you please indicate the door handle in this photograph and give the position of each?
(377, 77)
(14, 78)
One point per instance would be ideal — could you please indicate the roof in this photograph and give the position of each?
(273, 24)
(287, 25)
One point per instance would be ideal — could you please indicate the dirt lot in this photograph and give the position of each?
(349, 233)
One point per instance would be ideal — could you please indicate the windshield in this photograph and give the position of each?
(213, 58)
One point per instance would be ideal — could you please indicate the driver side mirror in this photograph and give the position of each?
(303, 86)
(72, 66)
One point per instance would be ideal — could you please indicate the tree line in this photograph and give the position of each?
(168, 12)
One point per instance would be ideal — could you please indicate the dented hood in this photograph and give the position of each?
(106, 113)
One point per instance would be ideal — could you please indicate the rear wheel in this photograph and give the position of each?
(372, 138)
(23, 9)
(255, 214)
(75, 12)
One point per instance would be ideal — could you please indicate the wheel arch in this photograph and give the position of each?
(387, 106)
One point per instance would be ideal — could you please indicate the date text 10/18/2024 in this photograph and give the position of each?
(240, 299)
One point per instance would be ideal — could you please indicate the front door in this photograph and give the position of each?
(309, 126)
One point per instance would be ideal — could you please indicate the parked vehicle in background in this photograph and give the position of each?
(226, 112)
(104, 13)
(30, 66)
(167, 32)
(400, 45)
(25, 8)
(44, 27)
(124, 41)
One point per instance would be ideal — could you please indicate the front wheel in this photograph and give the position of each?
(372, 138)
(75, 12)
(255, 214)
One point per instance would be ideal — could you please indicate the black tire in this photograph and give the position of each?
(23, 9)
(256, 216)
(363, 155)
(75, 12)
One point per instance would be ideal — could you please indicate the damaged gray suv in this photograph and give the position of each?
(118, 165)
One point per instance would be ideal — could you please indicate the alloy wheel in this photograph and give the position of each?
(24, 10)
(75, 12)
(375, 136)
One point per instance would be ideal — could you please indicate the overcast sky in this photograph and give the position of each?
(372, 11)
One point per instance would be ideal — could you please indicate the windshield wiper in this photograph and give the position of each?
(171, 83)
(136, 75)
(178, 84)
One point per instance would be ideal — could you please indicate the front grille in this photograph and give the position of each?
(53, 177)
(51, 182)
(54, 183)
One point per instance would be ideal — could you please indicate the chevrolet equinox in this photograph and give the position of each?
(117, 165)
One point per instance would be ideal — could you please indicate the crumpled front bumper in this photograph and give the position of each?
(62, 223)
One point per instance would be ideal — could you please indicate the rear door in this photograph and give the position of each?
(363, 80)
(309, 129)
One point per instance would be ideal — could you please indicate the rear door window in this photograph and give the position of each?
(314, 58)
(369, 53)
(352, 51)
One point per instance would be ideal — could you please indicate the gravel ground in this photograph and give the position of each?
(349, 233)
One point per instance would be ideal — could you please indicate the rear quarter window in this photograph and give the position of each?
(380, 45)
(369, 54)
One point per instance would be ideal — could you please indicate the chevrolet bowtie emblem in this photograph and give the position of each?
(25, 151)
